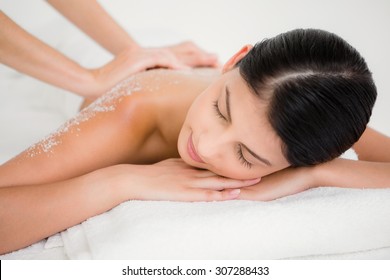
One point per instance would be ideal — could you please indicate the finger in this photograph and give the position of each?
(165, 59)
(258, 194)
(220, 183)
(196, 59)
(227, 183)
(191, 55)
(171, 63)
(222, 195)
(248, 194)
(204, 173)
(173, 162)
(209, 195)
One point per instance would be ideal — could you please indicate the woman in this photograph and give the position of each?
(281, 111)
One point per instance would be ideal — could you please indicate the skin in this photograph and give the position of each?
(126, 153)
(222, 135)
(27, 54)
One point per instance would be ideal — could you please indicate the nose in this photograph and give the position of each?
(212, 146)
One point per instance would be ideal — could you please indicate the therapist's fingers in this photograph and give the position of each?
(198, 59)
(192, 55)
(202, 59)
(162, 58)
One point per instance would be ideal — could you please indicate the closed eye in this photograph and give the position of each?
(216, 108)
(240, 155)
(242, 158)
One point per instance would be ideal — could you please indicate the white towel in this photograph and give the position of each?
(321, 221)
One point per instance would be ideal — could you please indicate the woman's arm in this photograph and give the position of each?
(373, 146)
(107, 133)
(353, 174)
(126, 125)
(32, 212)
(372, 170)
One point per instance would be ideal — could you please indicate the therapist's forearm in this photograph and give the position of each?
(92, 19)
(25, 53)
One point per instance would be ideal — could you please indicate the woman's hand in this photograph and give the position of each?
(174, 180)
(282, 183)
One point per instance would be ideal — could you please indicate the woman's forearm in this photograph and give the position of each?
(25, 53)
(373, 146)
(31, 213)
(371, 171)
(353, 174)
(91, 18)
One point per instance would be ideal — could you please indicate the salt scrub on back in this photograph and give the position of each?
(106, 103)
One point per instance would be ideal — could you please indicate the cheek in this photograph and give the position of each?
(231, 168)
(201, 116)
(181, 141)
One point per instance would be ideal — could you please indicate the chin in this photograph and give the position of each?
(190, 162)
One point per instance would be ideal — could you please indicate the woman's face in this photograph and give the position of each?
(227, 132)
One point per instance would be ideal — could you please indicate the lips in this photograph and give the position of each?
(192, 152)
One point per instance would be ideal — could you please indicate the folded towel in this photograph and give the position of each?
(321, 221)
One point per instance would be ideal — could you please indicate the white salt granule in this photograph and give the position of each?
(44, 146)
(106, 103)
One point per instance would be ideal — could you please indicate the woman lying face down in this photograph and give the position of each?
(301, 98)
(227, 131)
(273, 124)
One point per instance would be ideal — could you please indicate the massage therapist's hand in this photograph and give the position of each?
(127, 63)
(191, 55)
(138, 59)
(286, 182)
(174, 180)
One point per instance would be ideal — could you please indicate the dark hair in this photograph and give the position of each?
(320, 92)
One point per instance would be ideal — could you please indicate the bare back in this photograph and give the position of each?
(137, 122)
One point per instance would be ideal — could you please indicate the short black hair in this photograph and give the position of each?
(320, 92)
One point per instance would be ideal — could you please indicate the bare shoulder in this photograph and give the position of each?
(157, 101)
(157, 82)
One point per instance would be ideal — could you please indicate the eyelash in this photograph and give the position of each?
(239, 148)
(242, 159)
(219, 114)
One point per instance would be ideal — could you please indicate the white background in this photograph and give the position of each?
(278, 270)
(223, 26)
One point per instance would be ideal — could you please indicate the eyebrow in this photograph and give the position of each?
(230, 120)
(227, 99)
(257, 156)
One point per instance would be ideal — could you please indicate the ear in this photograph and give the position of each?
(236, 58)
